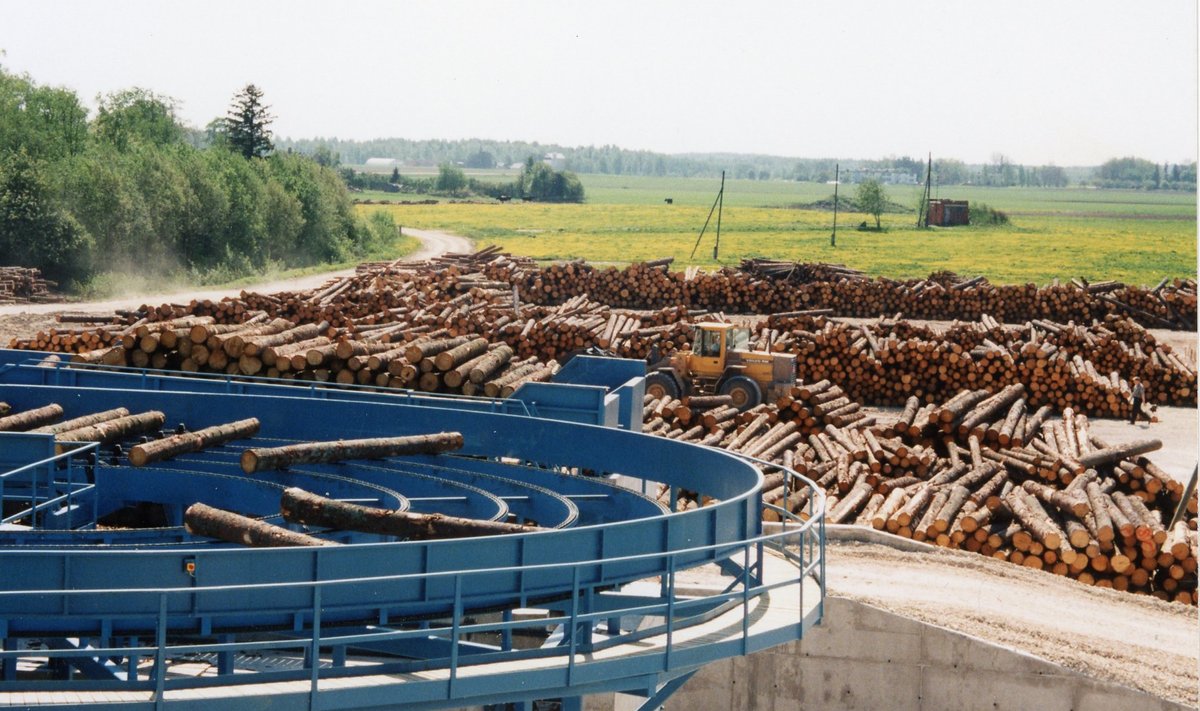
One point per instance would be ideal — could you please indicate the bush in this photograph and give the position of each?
(34, 231)
(986, 216)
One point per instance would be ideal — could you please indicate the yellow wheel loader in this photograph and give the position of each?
(720, 363)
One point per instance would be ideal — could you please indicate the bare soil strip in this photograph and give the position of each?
(1133, 640)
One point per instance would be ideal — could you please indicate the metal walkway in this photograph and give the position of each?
(158, 618)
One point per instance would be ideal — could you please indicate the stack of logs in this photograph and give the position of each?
(1088, 368)
(25, 285)
(352, 330)
(763, 287)
(981, 471)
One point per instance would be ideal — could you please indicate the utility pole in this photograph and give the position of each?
(836, 181)
(923, 210)
(718, 207)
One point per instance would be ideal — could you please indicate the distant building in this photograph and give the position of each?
(949, 213)
(382, 163)
(887, 176)
(556, 161)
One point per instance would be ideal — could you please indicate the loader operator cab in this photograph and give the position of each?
(712, 342)
(707, 342)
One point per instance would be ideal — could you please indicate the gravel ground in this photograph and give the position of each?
(1134, 640)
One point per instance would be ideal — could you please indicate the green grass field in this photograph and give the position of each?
(1137, 237)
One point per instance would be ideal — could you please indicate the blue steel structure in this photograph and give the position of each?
(598, 601)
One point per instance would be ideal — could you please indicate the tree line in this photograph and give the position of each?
(1000, 171)
(537, 182)
(132, 189)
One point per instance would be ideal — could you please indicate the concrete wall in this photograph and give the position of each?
(863, 658)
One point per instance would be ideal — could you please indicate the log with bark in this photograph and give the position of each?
(264, 458)
(156, 450)
(203, 520)
(300, 506)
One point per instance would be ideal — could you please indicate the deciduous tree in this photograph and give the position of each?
(137, 115)
(872, 199)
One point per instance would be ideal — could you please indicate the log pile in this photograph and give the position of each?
(360, 329)
(22, 285)
(765, 287)
(1089, 368)
(353, 330)
(799, 272)
(983, 471)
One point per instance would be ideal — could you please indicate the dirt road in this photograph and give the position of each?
(433, 243)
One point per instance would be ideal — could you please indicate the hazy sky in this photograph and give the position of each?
(1072, 83)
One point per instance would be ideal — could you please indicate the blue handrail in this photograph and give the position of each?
(807, 533)
(72, 489)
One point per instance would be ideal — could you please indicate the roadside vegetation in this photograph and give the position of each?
(131, 194)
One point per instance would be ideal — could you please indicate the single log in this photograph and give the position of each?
(490, 363)
(461, 373)
(925, 528)
(423, 349)
(300, 506)
(954, 503)
(253, 345)
(203, 520)
(1103, 523)
(958, 405)
(80, 422)
(889, 507)
(143, 454)
(907, 416)
(853, 500)
(1034, 518)
(29, 419)
(458, 355)
(263, 458)
(707, 402)
(989, 408)
(116, 430)
(991, 487)
(911, 508)
(1112, 455)
(493, 388)
(1068, 504)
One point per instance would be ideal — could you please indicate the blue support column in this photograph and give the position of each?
(225, 657)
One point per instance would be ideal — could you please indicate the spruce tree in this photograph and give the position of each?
(248, 123)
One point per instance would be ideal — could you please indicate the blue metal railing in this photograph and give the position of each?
(801, 542)
(58, 493)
